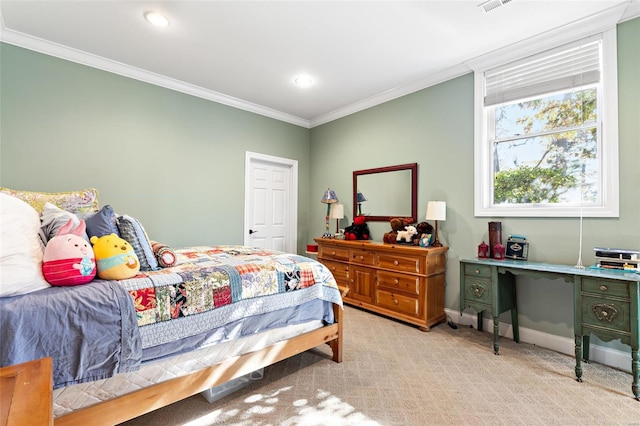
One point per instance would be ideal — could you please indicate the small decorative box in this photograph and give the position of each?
(517, 247)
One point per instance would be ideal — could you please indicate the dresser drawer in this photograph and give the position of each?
(399, 303)
(339, 270)
(474, 270)
(400, 263)
(335, 253)
(363, 257)
(605, 287)
(606, 313)
(478, 290)
(408, 283)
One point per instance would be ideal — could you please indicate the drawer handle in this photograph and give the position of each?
(395, 281)
(395, 262)
(477, 271)
(333, 253)
(605, 312)
(395, 301)
(477, 290)
(361, 257)
(604, 288)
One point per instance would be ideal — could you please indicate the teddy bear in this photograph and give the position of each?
(68, 258)
(397, 224)
(407, 234)
(359, 230)
(115, 257)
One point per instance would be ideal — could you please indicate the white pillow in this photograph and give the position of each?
(20, 250)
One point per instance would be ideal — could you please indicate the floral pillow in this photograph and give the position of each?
(83, 202)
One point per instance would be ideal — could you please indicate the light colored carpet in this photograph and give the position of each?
(394, 374)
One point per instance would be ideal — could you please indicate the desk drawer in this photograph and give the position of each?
(408, 283)
(606, 313)
(399, 263)
(474, 270)
(335, 253)
(363, 257)
(605, 287)
(478, 290)
(398, 303)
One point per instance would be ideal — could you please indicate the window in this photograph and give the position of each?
(546, 133)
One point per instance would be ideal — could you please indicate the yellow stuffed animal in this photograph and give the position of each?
(115, 258)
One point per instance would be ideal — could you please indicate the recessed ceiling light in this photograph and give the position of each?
(156, 19)
(303, 81)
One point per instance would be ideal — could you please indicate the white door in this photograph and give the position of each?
(271, 202)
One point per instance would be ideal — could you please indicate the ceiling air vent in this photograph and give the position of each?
(488, 6)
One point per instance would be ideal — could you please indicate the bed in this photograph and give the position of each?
(123, 348)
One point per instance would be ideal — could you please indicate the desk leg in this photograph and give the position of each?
(496, 335)
(578, 358)
(514, 323)
(480, 325)
(635, 372)
(586, 340)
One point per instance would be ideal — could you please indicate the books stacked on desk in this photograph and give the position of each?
(612, 258)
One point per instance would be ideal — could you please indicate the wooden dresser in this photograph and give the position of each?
(401, 281)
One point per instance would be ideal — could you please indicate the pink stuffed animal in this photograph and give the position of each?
(68, 258)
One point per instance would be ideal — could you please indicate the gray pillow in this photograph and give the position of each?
(102, 223)
(52, 219)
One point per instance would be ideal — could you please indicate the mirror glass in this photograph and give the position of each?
(389, 191)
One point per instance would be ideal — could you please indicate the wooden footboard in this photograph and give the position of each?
(140, 402)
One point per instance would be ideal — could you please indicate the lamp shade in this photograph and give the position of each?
(360, 198)
(337, 211)
(329, 197)
(436, 210)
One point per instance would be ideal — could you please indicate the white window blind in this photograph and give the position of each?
(566, 67)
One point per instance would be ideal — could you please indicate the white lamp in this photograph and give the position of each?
(337, 213)
(436, 210)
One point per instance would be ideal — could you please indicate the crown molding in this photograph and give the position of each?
(585, 27)
(78, 56)
(392, 94)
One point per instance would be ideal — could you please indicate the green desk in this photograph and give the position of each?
(605, 302)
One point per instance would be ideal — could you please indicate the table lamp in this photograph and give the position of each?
(436, 210)
(360, 198)
(328, 198)
(337, 213)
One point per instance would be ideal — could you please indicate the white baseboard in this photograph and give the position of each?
(600, 354)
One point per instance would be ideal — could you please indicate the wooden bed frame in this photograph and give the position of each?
(140, 402)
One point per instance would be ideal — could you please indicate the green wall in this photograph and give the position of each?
(434, 127)
(174, 161)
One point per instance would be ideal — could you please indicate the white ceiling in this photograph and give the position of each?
(247, 53)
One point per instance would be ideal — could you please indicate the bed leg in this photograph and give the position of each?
(336, 344)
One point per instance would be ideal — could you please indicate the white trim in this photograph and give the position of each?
(78, 56)
(565, 345)
(250, 157)
(392, 94)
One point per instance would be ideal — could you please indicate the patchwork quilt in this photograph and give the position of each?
(211, 286)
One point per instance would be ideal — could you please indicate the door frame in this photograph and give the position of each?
(292, 165)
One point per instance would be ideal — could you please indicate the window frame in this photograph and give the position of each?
(608, 157)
